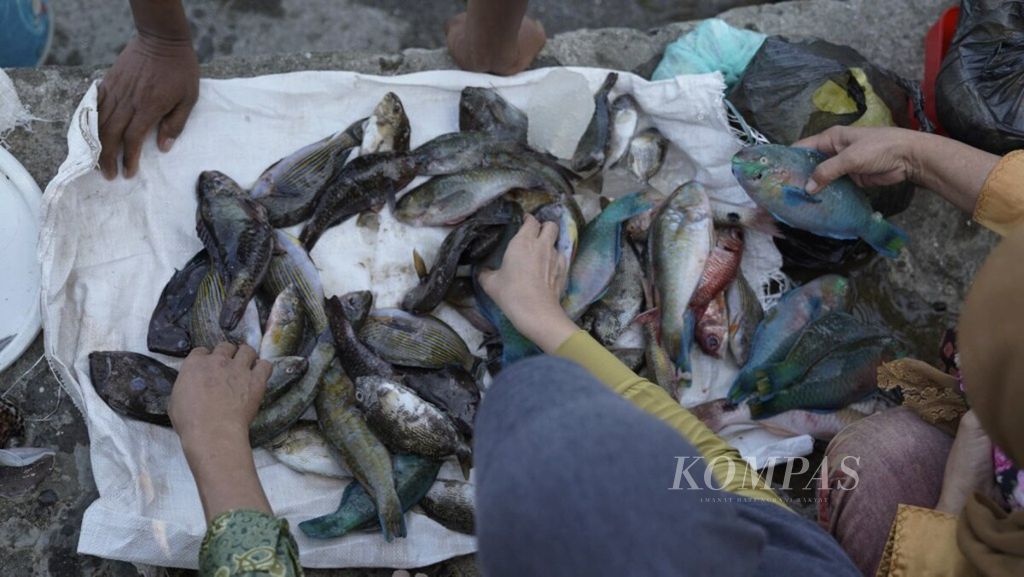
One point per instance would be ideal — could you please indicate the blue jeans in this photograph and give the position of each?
(573, 480)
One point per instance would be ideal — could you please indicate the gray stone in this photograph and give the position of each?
(945, 251)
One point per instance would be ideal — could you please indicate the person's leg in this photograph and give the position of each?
(573, 480)
(898, 459)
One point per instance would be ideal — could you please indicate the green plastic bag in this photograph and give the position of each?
(713, 45)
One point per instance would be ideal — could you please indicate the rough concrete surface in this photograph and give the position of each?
(39, 531)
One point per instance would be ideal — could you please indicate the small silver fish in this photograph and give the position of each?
(304, 448)
(646, 154)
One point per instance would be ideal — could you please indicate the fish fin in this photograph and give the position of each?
(763, 221)
(419, 264)
(646, 317)
(780, 375)
(884, 236)
(763, 383)
(683, 354)
(392, 519)
(604, 201)
(741, 387)
(465, 457)
(794, 196)
(761, 409)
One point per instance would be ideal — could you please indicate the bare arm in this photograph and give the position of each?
(215, 398)
(153, 84)
(495, 36)
(884, 156)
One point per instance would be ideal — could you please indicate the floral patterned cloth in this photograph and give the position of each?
(249, 544)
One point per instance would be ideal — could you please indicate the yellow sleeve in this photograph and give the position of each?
(1000, 205)
(923, 542)
(725, 461)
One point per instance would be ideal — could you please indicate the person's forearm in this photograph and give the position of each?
(161, 19)
(953, 169)
(494, 24)
(225, 475)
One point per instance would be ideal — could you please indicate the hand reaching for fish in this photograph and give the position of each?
(885, 156)
(153, 83)
(216, 396)
(529, 285)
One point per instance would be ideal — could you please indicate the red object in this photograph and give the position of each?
(936, 45)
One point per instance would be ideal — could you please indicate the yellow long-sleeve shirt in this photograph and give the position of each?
(728, 468)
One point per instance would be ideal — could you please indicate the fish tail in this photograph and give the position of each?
(465, 457)
(884, 236)
(742, 387)
(685, 344)
(392, 520)
(310, 234)
(763, 221)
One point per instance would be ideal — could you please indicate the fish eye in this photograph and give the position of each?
(763, 160)
(713, 342)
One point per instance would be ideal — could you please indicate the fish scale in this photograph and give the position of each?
(417, 341)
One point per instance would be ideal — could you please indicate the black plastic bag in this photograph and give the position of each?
(979, 92)
(784, 94)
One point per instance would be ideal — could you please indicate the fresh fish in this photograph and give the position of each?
(721, 268)
(514, 346)
(680, 241)
(366, 183)
(661, 368)
(846, 375)
(205, 317)
(713, 327)
(622, 302)
(286, 372)
(461, 297)
(285, 325)
(457, 152)
(408, 424)
(566, 214)
(170, 325)
(426, 296)
(356, 306)
(277, 417)
(821, 337)
(291, 266)
(304, 449)
(361, 450)
(387, 130)
(782, 326)
(598, 255)
(625, 117)
(357, 359)
(451, 389)
(775, 176)
(823, 426)
(408, 340)
(745, 314)
(646, 154)
(290, 188)
(238, 238)
(447, 200)
(133, 385)
(413, 476)
(483, 109)
(452, 504)
(590, 152)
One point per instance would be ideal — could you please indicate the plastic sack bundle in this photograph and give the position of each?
(712, 46)
(795, 89)
(979, 92)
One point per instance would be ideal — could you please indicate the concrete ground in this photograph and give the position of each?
(39, 529)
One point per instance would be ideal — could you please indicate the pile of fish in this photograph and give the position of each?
(395, 391)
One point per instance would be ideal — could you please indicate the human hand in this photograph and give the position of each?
(154, 82)
(217, 395)
(529, 285)
(869, 156)
(477, 50)
(968, 467)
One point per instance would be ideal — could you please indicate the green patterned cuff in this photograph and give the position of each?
(248, 544)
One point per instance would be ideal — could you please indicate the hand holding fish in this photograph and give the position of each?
(215, 398)
(885, 156)
(529, 285)
(153, 83)
(486, 39)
